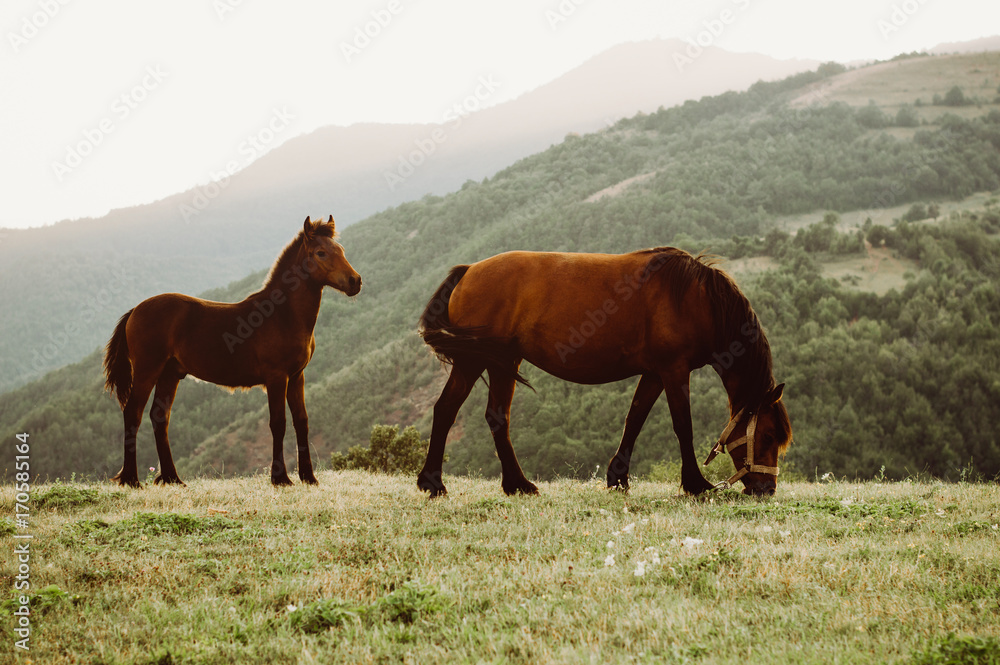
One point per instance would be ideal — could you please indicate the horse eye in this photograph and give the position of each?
(321, 254)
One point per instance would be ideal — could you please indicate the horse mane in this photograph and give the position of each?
(734, 318)
(290, 253)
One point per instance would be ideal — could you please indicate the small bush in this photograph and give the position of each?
(323, 614)
(388, 452)
(66, 496)
(405, 605)
(953, 650)
(917, 212)
(125, 532)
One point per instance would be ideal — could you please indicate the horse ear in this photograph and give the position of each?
(332, 224)
(307, 227)
(775, 394)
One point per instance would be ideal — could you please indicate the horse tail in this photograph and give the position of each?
(452, 343)
(117, 365)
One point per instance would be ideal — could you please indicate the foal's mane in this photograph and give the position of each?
(734, 318)
(290, 254)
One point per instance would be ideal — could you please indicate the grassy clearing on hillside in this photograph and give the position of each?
(364, 568)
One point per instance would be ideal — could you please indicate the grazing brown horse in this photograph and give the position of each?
(264, 340)
(595, 318)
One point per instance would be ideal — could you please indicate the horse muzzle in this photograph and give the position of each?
(351, 286)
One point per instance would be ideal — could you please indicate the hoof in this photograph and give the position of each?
(696, 487)
(429, 482)
(126, 481)
(281, 481)
(309, 480)
(618, 483)
(522, 487)
(168, 480)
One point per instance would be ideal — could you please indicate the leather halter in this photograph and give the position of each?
(749, 440)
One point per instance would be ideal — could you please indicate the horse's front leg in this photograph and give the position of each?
(300, 421)
(676, 386)
(646, 394)
(276, 390)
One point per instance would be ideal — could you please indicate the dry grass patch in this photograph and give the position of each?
(364, 568)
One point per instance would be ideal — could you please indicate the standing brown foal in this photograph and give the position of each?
(264, 340)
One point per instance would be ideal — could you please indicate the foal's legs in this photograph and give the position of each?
(498, 418)
(646, 394)
(276, 391)
(300, 421)
(456, 391)
(676, 385)
(159, 414)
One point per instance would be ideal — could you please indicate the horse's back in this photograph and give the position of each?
(588, 318)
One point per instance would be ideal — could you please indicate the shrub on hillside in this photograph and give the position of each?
(388, 451)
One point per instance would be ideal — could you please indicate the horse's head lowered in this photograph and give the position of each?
(324, 260)
(755, 437)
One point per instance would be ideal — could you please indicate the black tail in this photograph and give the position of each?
(117, 366)
(451, 343)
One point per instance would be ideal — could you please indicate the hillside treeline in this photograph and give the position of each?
(908, 380)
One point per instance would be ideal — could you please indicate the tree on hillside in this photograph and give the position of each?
(907, 116)
(871, 116)
(955, 97)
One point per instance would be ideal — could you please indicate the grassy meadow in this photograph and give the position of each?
(364, 568)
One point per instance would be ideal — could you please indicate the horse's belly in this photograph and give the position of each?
(576, 360)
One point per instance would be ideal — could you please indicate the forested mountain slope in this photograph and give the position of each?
(908, 380)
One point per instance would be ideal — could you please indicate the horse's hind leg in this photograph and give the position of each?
(498, 417)
(646, 394)
(456, 391)
(300, 420)
(142, 385)
(159, 414)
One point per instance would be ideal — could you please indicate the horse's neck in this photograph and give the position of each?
(739, 388)
(305, 301)
(300, 299)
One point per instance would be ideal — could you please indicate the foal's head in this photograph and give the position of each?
(324, 260)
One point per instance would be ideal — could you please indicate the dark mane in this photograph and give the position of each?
(290, 253)
(735, 320)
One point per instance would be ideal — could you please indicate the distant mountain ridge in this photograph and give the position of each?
(62, 295)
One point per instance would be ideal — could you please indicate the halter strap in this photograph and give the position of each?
(748, 439)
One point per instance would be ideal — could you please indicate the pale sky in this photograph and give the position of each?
(113, 103)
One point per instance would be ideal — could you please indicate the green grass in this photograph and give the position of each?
(364, 568)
